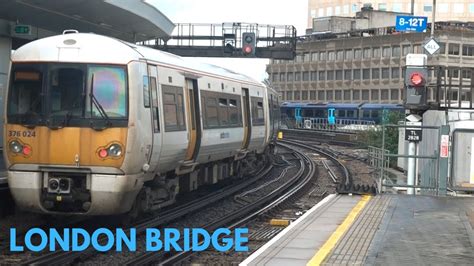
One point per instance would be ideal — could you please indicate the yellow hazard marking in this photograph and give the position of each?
(324, 251)
(280, 135)
(280, 222)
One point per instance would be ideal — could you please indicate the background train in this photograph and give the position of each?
(98, 126)
(333, 111)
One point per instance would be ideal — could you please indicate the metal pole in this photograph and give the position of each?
(411, 167)
(412, 7)
(433, 18)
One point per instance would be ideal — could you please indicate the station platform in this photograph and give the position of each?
(381, 230)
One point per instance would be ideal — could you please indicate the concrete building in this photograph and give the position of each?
(447, 10)
(366, 66)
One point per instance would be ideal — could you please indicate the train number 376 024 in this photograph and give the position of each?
(24, 134)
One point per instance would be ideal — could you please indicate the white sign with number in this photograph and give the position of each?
(432, 46)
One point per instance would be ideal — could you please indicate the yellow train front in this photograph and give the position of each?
(94, 123)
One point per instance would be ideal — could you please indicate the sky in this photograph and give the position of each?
(273, 12)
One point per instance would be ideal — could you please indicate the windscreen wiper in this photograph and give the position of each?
(99, 107)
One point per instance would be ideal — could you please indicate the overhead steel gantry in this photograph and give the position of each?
(226, 40)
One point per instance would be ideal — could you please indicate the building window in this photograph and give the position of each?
(366, 73)
(329, 11)
(453, 73)
(375, 73)
(338, 74)
(322, 75)
(339, 55)
(314, 56)
(305, 76)
(357, 53)
(406, 49)
(282, 77)
(297, 96)
(395, 73)
(375, 95)
(312, 95)
(386, 52)
(385, 73)
(321, 12)
(304, 95)
(330, 75)
(348, 74)
(453, 49)
(365, 95)
(298, 76)
(330, 95)
(467, 50)
(428, 8)
(394, 95)
(337, 10)
(321, 96)
(366, 52)
(458, 8)
(417, 49)
(331, 56)
(275, 77)
(347, 95)
(354, 8)
(384, 95)
(289, 95)
(376, 52)
(395, 51)
(467, 73)
(443, 8)
(471, 8)
(355, 95)
(348, 55)
(397, 7)
(290, 76)
(338, 95)
(357, 74)
(322, 56)
(314, 75)
(442, 48)
(345, 9)
(306, 57)
(383, 7)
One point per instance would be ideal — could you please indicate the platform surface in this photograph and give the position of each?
(388, 230)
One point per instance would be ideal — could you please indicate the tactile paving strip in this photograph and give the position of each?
(353, 247)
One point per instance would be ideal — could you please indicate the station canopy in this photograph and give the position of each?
(130, 20)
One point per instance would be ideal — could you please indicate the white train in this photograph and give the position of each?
(96, 126)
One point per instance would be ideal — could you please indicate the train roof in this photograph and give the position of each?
(93, 48)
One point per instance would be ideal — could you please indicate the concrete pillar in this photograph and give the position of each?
(5, 53)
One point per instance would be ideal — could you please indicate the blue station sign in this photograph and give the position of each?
(411, 23)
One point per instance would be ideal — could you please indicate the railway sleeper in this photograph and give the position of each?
(356, 189)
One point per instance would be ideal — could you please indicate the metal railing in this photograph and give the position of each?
(340, 125)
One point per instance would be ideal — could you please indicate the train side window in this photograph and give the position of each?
(173, 106)
(350, 113)
(211, 113)
(257, 112)
(146, 92)
(234, 118)
(366, 114)
(223, 114)
(375, 114)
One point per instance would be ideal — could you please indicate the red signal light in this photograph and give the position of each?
(416, 79)
(247, 49)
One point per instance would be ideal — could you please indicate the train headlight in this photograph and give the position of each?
(16, 146)
(115, 150)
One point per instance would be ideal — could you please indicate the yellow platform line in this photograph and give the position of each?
(324, 251)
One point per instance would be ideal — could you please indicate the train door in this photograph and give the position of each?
(271, 109)
(194, 123)
(246, 118)
(331, 116)
(155, 117)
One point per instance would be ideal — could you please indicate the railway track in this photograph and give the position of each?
(245, 214)
(61, 257)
